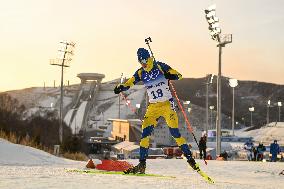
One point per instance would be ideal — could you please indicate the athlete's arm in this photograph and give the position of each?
(169, 72)
(129, 83)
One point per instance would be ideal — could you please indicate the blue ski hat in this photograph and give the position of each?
(142, 54)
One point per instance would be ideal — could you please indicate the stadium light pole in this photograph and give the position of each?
(243, 119)
(267, 112)
(251, 109)
(233, 83)
(279, 110)
(208, 82)
(211, 112)
(215, 32)
(65, 51)
(121, 81)
(138, 110)
(187, 105)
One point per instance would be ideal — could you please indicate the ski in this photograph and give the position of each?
(204, 175)
(87, 171)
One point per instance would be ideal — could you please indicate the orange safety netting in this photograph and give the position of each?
(110, 165)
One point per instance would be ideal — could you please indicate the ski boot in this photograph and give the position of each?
(138, 169)
(193, 164)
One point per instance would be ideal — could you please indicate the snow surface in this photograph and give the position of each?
(19, 155)
(68, 116)
(24, 167)
(79, 116)
(48, 102)
(274, 131)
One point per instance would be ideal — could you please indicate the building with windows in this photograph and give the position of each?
(126, 129)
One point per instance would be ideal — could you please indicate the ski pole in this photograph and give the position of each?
(128, 102)
(185, 117)
(148, 41)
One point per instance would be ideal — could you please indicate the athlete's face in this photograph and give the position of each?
(146, 64)
(143, 63)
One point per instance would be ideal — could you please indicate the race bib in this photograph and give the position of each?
(157, 86)
(159, 91)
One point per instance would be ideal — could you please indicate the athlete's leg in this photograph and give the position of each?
(149, 122)
(172, 120)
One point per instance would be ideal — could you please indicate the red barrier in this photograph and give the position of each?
(110, 165)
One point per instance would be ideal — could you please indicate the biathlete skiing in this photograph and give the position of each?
(156, 75)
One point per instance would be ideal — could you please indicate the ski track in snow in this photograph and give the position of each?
(233, 174)
(24, 167)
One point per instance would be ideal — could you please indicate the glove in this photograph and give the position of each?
(118, 89)
(170, 76)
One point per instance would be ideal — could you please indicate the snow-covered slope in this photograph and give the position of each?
(15, 154)
(23, 167)
(274, 131)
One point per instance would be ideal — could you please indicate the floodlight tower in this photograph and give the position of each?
(65, 52)
(215, 32)
(233, 83)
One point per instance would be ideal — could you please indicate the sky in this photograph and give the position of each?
(108, 33)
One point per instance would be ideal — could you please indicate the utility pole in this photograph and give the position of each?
(62, 61)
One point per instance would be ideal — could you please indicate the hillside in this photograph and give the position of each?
(247, 94)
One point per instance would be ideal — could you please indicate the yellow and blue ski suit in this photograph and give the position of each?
(161, 103)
